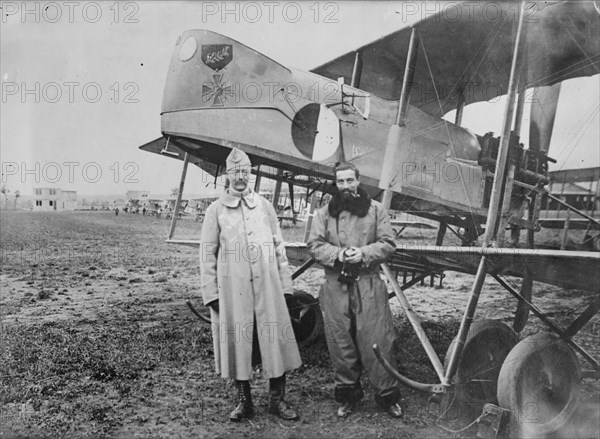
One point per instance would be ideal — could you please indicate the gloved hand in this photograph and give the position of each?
(353, 255)
(214, 305)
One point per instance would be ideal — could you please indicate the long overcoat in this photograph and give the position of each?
(243, 265)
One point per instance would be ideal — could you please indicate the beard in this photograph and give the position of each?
(356, 203)
(346, 195)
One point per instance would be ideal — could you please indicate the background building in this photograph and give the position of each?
(137, 195)
(49, 199)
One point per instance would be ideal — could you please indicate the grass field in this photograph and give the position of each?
(97, 340)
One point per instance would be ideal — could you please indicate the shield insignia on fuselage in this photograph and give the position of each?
(216, 56)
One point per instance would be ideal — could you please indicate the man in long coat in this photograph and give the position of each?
(350, 237)
(244, 275)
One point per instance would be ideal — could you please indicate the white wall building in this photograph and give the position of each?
(49, 199)
(137, 195)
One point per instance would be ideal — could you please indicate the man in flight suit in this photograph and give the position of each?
(350, 237)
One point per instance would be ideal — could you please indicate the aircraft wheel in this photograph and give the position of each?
(306, 317)
(474, 384)
(539, 383)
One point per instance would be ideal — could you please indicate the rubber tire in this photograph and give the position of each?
(536, 361)
(309, 327)
(487, 340)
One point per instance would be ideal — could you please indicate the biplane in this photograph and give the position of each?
(134, 205)
(154, 206)
(380, 107)
(169, 207)
(198, 206)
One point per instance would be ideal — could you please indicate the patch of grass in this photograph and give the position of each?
(43, 366)
(54, 349)
(411, 356)
(44, 294)
(316, 354)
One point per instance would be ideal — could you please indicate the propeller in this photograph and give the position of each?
(543, 110)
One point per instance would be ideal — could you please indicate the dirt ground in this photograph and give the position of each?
(97, 341)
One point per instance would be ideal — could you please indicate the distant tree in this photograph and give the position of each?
(17, 195)
(175, 191)
(5, 192)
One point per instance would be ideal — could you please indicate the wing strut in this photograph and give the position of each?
(386, 183)
(460, 107)
(311, 214)
(277, 192)
(495, 202)
(387, 173)
(257, 181)
(356, 72)
(186, 160)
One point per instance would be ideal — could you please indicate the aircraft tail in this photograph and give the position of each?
(209, 70)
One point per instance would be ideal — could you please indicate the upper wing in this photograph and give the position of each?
(467, 48)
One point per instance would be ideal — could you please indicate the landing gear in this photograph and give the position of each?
(306, 317)
(474, 384)
(539, 383)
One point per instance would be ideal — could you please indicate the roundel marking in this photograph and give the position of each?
(188, 49)
(316, 131)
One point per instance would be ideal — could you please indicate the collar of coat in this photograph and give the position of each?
(232, 198)
(358, 205)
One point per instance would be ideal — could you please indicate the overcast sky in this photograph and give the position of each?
(82, 83)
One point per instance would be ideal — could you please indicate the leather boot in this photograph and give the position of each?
(277, 405)
(244, 408)
(388, 400)
(348, 395)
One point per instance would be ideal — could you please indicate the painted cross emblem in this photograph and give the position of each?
(217, 90)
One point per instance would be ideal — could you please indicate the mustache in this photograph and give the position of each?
(347, 194)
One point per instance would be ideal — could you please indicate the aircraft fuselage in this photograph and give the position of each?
(220, 94)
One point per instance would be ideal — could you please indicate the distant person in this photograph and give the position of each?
(244, 275)
(144, 211)
(350, 237)
(116, 211)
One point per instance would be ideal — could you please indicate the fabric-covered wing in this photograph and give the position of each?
(160, 146)
(467, 49)
(565, 269)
